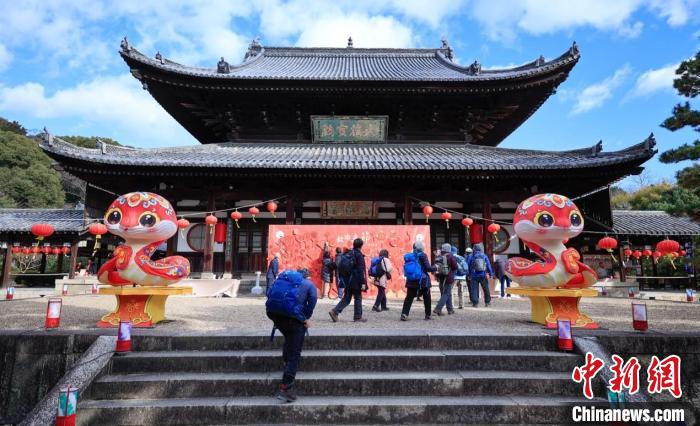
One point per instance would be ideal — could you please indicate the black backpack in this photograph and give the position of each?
(346, 264)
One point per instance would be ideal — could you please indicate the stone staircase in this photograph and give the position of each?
(369, 379)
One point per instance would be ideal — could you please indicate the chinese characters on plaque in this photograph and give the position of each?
(349, 128)
(348, 210)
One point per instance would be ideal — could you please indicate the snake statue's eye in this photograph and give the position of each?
(575, 218)
(544, 219)
(113, 216)
(148, 219)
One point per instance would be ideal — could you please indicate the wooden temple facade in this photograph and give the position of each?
(348, 136)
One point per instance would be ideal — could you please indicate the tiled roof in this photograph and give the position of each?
(317, 156)
(21, 220)
(345, 64)
(652, 222)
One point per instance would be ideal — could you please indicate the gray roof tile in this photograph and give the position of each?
(652, 222)
(348, 64)
(21, 220)
(391, 156)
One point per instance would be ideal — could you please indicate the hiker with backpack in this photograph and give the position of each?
(499, 269)
(479, 268)
(446, 267)
(380, 270)
(416, 268)
(339, 283)
(352, 269)
(327, 266)
(272, 271)
(290, 305)
(460, 276)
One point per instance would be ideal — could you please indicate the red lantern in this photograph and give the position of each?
(65, 250)
(42, 230)
(272, 208)
(55, 251)
(211, 220)
(36, 250)
(26, 250)
(16, 249)
(682, 253)
(236, 215)
(254, 211)
(183, 223)
(446, 216)
(637, 254)
(627, 252)
(467, 221)
(97, 229)
(668, 246)
(46, 250)
(608, 244)
(427, 211)
(657, 255)
(220, 232)
(494, 228)
(646, 253)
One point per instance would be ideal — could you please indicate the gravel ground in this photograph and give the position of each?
(247, 314)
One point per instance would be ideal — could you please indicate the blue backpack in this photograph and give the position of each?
(376, 270)
(412, 269)
(282, 298)
(462, 267)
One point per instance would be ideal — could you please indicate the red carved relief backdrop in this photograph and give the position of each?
(301, 246)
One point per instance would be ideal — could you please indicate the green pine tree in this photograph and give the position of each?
(687, 196)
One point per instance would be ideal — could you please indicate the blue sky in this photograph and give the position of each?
(59, 65)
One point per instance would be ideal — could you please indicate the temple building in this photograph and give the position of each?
(348, 136)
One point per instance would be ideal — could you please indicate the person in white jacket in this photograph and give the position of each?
(381, 281)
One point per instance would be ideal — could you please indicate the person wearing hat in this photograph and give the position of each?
(446, 268)
(460, 276)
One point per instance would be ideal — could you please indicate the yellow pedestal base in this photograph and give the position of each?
(143, 306)
(551, 304)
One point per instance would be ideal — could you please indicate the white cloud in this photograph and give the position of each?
(504, 19)
(595, 95)
(653, 81)
(5, 57)
(375, 31)
(113, 103)
(676, 12)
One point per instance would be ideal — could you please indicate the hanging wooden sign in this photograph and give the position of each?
(349, 210)
(349, 128)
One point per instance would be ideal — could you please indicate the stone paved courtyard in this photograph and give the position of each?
(248, 315)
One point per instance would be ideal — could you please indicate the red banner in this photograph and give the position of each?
(301, 246)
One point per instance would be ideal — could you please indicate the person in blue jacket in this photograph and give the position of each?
(414, 288)
(293, 329)
(273, 270)
(479, 273)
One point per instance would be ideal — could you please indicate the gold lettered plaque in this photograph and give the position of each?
(349, 128)
(348, 210)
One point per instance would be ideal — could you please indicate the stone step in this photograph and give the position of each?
(341, 384)
(410, 340)
(331, 410)
(344, 360)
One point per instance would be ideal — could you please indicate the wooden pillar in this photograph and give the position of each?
(486, 214)
(620, 256)
(6, 267)
(289, 219)
(42, 265)
(208, 264)
(228, 248)
(73, 259)
(407, 211)
(172, 244)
